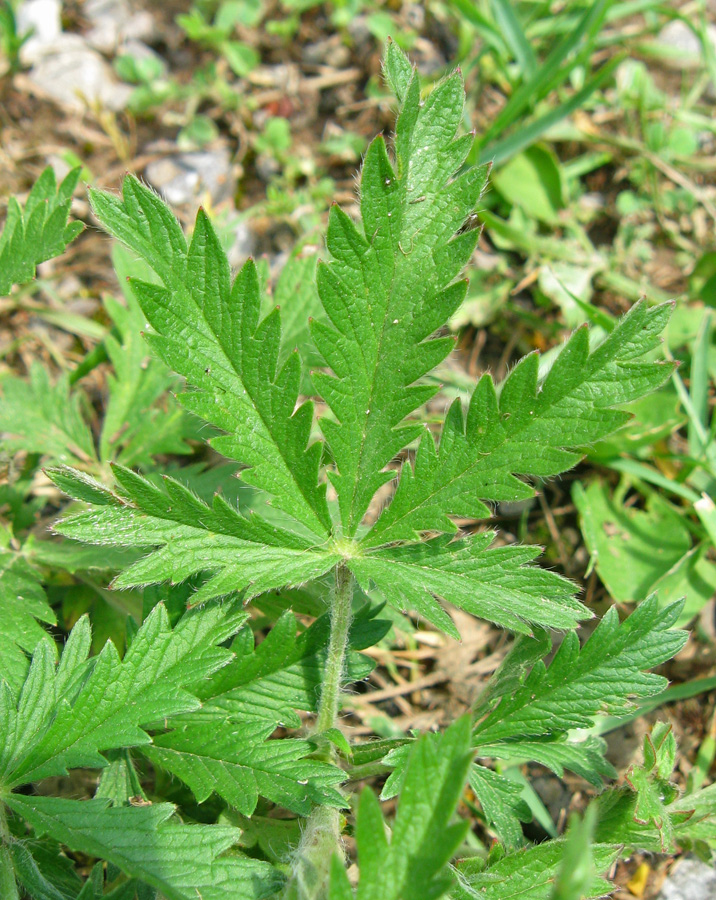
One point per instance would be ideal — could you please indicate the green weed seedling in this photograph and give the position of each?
(217, 34)
(198, 794)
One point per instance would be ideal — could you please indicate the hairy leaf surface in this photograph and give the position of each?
(239, 763)
(283, 674)
(389, 285)
(536, 426)
(605, 675)
(496, 584)
(241, 553)
(209, 330)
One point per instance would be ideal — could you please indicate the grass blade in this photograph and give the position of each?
(550, 73)
(503, 149)
(509, 25)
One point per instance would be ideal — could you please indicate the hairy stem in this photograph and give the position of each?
(322, 835)
(8, 885)
(335, 660)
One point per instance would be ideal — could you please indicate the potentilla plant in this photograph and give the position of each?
(194, 697)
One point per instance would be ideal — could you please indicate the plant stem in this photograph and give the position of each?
(335, 660)
(8, 885)
(322, 835)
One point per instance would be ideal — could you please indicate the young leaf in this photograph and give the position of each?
(182, 861)
(535, 427)
(389, 286)
(414, 865)
(65, 717)
(650, 783)
(208, 330)
(38, 232)
(646, 813)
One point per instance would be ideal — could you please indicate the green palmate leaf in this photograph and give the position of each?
(240, 553)
(494, 584)
(606, 675)
(208, 330)
(650, 783)
(530, 873)
(38, 232)
(40, 417)
(23, 606)
(535, 427)
(266, 685)
(239, 764)
(414, 864)
(182, 861)
(389, 286)
(65, 716)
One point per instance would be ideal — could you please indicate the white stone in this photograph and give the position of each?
(185, 177)
(679, 37)
(691, 879)
(42, 17)
(74, 75)
(114, 21)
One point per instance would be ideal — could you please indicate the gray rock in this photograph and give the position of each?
(185, 177)
(243, 246)
(327, 52)
(691, 879)
(680, 38)
(112, 22)
(42, 17)
(75, 75)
